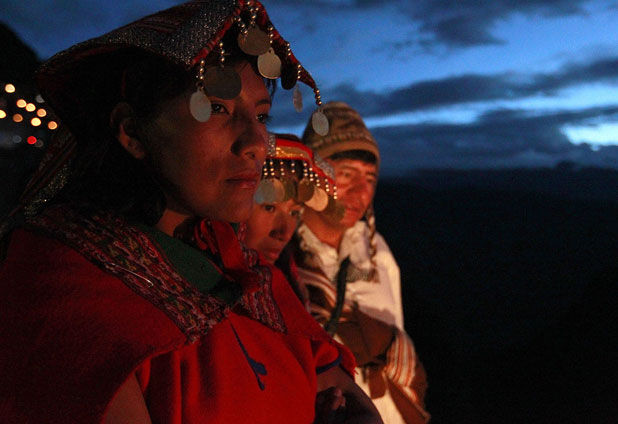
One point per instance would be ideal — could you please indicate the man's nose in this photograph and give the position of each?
(361, 186)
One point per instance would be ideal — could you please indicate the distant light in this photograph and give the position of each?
(2, 114)
(18, 118)
(30, 107)
(31, 140)
(21, 103)
(39, 99)
(52, 125)
(35, 122)
(16, 139)
(9, 88)
(39, 144)
(41, 113)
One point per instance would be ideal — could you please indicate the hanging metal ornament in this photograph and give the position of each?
(255, 43)
(269, 65)
(304, 191)
(334, 209)
(318, 201)
(297, 99)
(319, 122)
(289, 188)
(265, 192)
(279, 190)
(269, 190)
(200, 106)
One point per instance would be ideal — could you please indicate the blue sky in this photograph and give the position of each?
(441, 84)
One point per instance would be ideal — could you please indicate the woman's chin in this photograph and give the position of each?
(235, 212)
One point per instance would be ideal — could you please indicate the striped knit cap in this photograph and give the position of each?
(347, 132)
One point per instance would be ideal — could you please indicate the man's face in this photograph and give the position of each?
(356, 184)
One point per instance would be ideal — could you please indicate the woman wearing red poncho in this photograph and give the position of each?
(126, 296)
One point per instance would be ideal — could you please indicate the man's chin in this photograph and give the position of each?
(350, 219)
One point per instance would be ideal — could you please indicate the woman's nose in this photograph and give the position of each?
(252, 142)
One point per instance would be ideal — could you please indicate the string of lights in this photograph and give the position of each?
(24, 118)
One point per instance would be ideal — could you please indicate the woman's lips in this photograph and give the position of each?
(245, 180)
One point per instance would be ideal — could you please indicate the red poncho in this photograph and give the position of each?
(78, 319)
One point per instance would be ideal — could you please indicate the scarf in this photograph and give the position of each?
(130, 254)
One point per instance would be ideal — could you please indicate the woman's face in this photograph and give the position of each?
(271, 226)
(211, 169)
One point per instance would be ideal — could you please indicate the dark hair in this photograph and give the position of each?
(362, 155)
(104, 175)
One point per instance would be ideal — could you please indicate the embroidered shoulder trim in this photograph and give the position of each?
(124, 251)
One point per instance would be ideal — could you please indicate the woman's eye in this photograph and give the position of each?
(218, 108)
(264, 118)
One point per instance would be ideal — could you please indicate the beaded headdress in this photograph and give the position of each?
(184, 35)
(292, 171)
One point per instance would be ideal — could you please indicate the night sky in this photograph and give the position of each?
(441, 84)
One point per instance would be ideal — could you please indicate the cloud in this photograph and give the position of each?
(469, 23)
(458, 24)
(500, 138)
(458, 90)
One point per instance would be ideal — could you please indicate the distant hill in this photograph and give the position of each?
(567, 180)
(509, 288)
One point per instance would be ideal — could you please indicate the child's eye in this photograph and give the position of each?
(268, 207)
(218, 108)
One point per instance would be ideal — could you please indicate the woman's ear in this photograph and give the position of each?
(122, 121)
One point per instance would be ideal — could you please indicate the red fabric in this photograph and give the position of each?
(222, 241)
(71, 335)
(178, 388)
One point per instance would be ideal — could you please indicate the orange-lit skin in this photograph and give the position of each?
(208, 169)
(356, 185)
(271, 226)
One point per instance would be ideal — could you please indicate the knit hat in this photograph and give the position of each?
(347, 132)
